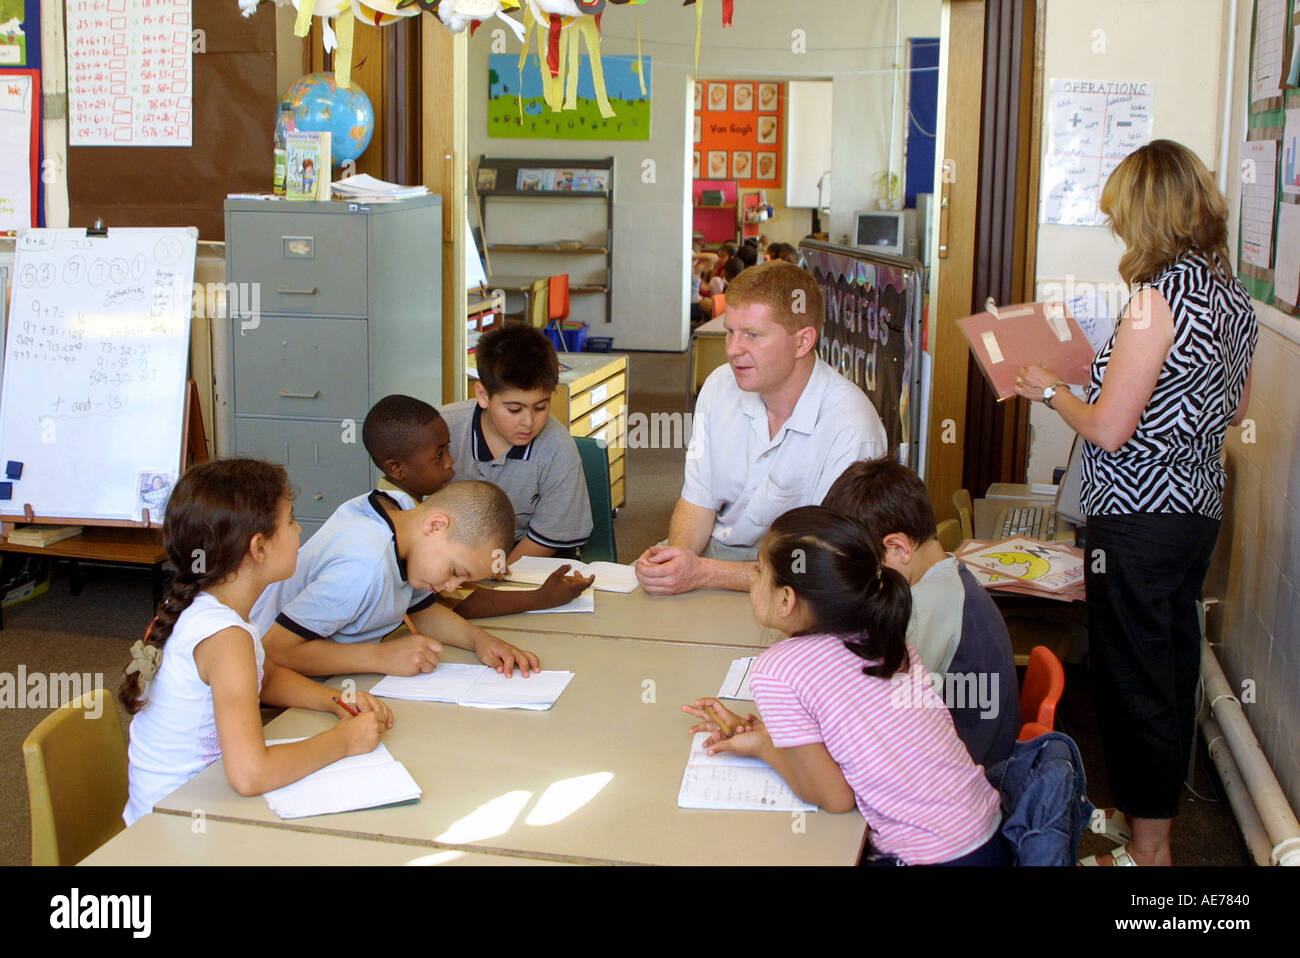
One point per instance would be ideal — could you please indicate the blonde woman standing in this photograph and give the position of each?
(1164, 389)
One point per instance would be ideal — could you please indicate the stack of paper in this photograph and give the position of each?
(610, 576)
(735, 782)
(1050, 570)
(38, 535)
(736, 684)
(358, 781)
(365, 187)
(476, 686)
(583, 603)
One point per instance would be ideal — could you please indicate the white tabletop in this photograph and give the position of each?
(595, 779)
(172, 840)
(703, 617)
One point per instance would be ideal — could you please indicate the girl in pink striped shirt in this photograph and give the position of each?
(848, 715)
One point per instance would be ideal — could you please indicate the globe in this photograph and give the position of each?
(319, 104)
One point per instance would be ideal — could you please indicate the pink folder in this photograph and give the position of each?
(1004, 338)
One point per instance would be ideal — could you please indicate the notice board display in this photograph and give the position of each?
(740, 132)
(871, 333)
(233, 122)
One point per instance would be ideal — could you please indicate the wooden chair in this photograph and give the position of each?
(76, 779)
(950, 534)
(965, 512)
(1040, 692)
(539, 303)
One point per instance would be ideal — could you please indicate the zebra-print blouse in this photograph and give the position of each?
(1173, 462)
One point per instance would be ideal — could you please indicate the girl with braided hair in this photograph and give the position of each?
(196, 679)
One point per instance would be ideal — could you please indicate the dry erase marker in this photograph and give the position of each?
(350, 710)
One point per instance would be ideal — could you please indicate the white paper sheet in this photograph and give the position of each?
(1258, 201)
(355, 782)
(1270, 39)
(583, 603)
(477, 686)
(734, 782)
(1092, 127)
(1286, 268)
(16, 152)
(736, 684)
(610, 576)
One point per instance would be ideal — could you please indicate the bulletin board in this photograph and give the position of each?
(1268, 247)
(234, 112)
(20, 102)
(739, 132)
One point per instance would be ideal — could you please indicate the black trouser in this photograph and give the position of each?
(1143, 574)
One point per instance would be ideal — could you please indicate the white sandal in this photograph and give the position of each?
(1111, 823)
(1119, 856)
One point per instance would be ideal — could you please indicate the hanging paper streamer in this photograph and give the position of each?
(640, 62)
(342, 42)
(587, 28)
(343, 58)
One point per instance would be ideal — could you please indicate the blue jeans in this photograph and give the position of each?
(1045, 805)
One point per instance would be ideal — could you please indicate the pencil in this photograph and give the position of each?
(348, 708)
(410, 626)
(726, 729)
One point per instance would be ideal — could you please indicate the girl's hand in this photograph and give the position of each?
(710, 710)
(365, 702)
(747, 742)
(361, 733)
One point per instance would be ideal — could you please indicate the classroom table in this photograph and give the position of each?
(702, 617)
(594, 780)
(172, 840)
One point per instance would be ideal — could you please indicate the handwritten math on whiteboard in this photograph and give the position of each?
(95, 369)
(130, 73)
(1092, 126)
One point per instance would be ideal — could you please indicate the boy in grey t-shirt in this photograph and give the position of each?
(507, 436)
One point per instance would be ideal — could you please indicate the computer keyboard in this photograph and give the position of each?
(1033, 522)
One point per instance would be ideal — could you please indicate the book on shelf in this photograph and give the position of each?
(38, 535)
(308, 158)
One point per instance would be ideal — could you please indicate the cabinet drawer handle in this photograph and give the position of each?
(296, 292)
(314, 394)
(319, 495)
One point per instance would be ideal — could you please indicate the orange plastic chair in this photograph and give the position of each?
(558, 298)
(1040, 692)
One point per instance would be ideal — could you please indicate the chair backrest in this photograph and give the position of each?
(600, 547)
(539, 303)
(76, 779)
(949, 534)
(719, 303)
(558, 297)
(965, 512)
(1040, 692)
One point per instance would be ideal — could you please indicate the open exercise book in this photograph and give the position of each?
(736, 684)
(358, 781)
(735, 782)
(476, 686)
(610, 576)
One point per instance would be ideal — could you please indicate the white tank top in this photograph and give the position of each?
(174, 737)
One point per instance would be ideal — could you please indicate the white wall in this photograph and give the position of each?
(1137, 41)
(850, 41)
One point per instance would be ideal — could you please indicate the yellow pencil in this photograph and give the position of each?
(410, 626)
(726, 729)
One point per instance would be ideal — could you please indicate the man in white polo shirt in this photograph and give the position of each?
(773, 429)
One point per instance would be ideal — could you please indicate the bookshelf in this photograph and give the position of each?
(546, 182)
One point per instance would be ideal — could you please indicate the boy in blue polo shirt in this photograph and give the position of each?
(955, 627)
(409, 443)
(373, 563)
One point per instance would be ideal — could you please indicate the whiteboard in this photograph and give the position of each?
(97, 348)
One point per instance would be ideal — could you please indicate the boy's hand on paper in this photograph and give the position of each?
(1032, 380)
(361, 733)
(668, 570)
(561, 588)
(365, 702)
(505, 658)
(410, 655)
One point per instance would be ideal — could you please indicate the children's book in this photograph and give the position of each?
(308, 158)
(610, 576)
(357, 781)
(1050, 569)
(476, 686)
(736, 782)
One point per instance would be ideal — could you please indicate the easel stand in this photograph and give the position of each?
(117, 543)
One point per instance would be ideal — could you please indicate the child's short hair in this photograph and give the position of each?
(393, 428)
(886, 497)
(733, 268)
(775, 284)
(480, 512)
(517, 357)
(748, 254)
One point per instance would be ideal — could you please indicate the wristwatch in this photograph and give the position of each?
(1049, 392)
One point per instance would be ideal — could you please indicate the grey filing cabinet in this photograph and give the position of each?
(350, 299)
